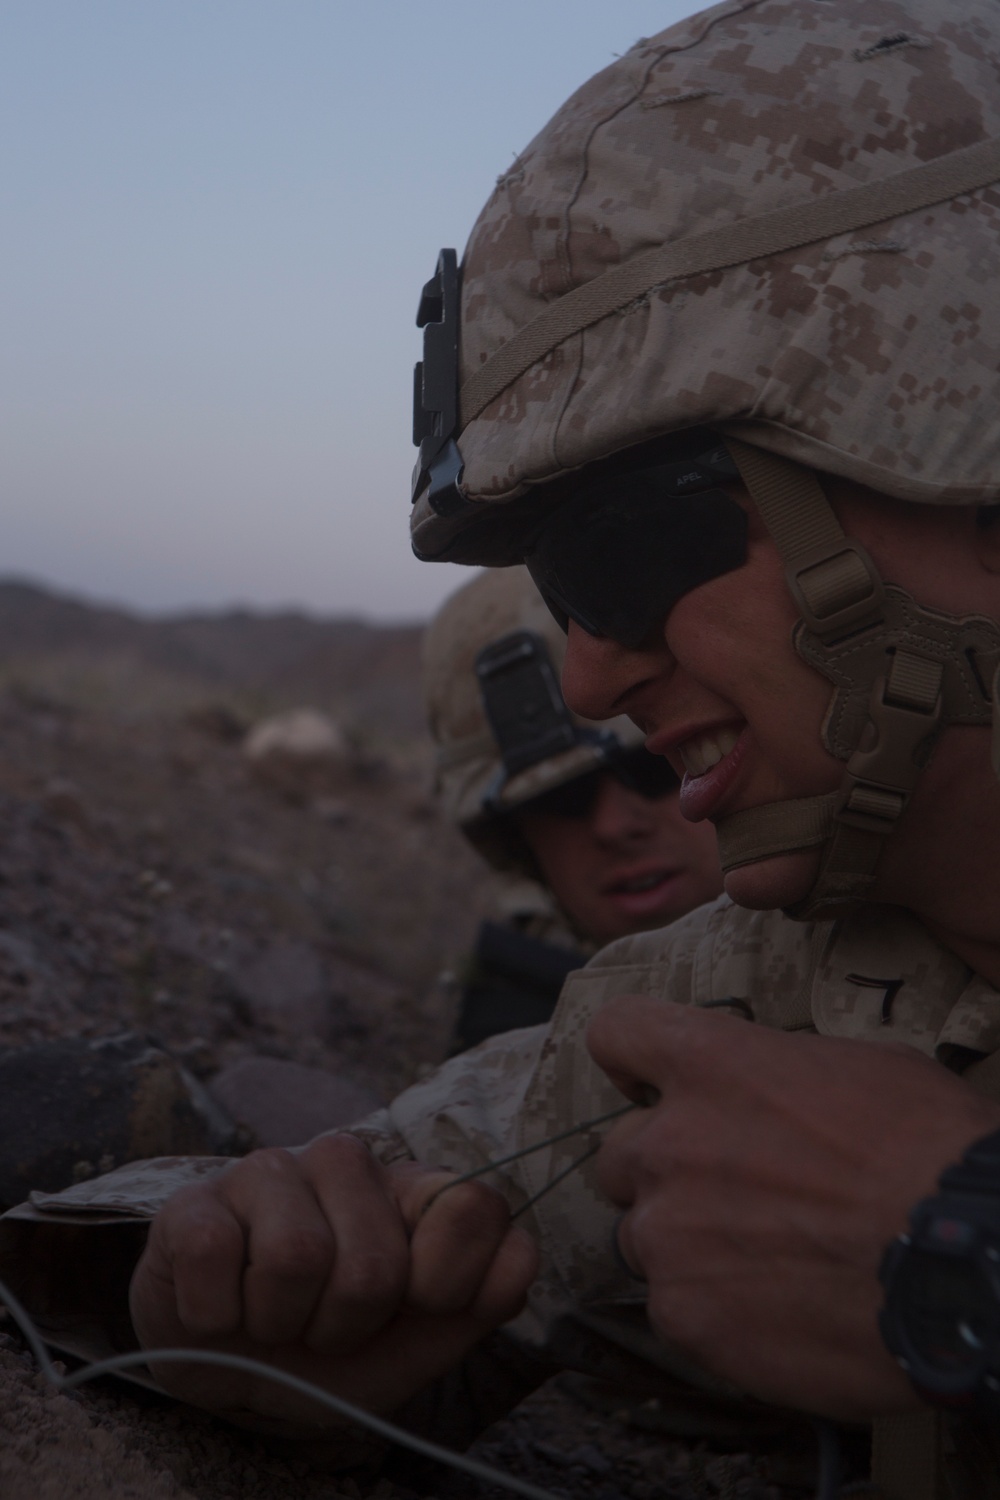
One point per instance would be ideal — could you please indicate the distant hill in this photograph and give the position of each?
(62, 644)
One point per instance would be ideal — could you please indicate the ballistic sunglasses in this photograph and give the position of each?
(622, 548)
(649, 775)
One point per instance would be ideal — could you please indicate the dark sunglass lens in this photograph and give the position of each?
(617, 556)
(574, 799)
(649, 775)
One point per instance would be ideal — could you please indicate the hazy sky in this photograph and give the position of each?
(218, 215)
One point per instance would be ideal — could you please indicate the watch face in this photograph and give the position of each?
(949, 1310)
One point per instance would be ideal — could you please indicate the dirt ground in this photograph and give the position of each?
(150, 884)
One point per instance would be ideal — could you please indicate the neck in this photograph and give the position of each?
(942, 862)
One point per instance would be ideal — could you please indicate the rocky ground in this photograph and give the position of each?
(151, 882)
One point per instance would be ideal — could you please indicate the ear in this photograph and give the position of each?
(987, 538)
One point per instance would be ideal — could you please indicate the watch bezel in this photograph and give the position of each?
(949, 1227)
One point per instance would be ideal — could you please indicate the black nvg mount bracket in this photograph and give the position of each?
(526, 711)
(435, 392)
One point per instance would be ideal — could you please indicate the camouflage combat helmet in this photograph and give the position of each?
(481, 634)
(778, 221)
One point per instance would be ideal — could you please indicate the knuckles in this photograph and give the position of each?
(196, 1227)
(337, 1156)
(371, 1280)
(296, 1254)
(474, 1209)
(209, 1242)
(269, 1164)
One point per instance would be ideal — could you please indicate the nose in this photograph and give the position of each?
(599, 675)
(620, 816)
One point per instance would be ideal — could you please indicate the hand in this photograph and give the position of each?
(326, 1264)
(763, 1187)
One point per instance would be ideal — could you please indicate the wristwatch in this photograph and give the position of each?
(941, 1317)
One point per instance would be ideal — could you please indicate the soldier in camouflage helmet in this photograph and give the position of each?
(580, 820)
(723, 368)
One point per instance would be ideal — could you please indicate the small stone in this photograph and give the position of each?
(301, 754)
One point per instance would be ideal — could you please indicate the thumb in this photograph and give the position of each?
(644, 1044)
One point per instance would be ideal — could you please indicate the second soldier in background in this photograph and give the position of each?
(582, 821)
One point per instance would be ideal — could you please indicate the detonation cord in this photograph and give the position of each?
(829, 1450)
(549, 1140)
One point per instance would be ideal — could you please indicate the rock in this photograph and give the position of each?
(301, 754)
(285, 988)
(69, 1109)
(284, 1104)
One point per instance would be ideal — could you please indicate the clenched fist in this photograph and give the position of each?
(326, 1264)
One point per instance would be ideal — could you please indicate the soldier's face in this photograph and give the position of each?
(629, 864)
(720, 690)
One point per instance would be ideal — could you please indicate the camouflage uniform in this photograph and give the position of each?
(777, 221)
(868, 350)
(515, 1090)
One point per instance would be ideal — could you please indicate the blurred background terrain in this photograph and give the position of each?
(154, 875)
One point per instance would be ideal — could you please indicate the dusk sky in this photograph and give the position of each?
(218, 215)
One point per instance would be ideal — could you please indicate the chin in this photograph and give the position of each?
(768, 884)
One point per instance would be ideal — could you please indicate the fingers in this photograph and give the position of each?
(648, 1044)
(248, 1252)
(289, 1247)
(278, 1248)
(324, 1248)
(504, 1289)
(456, 1244)
(189, 1279)
(368, 1270)
(630, 1039)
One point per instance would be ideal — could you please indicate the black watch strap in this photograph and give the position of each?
(941, 1316)
(978, 1171)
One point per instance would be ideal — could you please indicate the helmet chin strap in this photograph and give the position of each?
(901, 672)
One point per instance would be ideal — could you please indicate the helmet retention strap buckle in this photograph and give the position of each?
(840, 594)
(837, 589)
(877, 786)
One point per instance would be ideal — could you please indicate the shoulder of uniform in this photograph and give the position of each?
(717, 952)
(665, 943)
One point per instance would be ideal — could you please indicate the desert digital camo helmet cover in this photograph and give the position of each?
(499, 606)
(779, 220)
(873, 353)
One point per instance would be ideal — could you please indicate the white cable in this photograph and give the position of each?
(379, 1425)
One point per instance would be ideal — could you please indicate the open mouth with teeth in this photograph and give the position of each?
(706, 750)
(712, 763)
